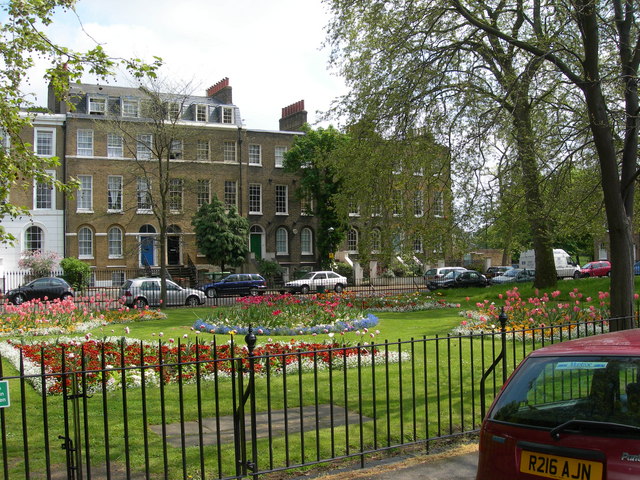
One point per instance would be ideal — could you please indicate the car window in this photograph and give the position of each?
(431, 271)
(173, 286)
(332, 275)
(231, 278)
(40, 282)
(320, 276)
(150, 285)
(244, 277)
(549, 391)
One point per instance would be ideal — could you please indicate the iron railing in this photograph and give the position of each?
(221, 410)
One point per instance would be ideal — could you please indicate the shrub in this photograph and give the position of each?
(269, 269)
(76, 272)
(40, 263)
(345, 270)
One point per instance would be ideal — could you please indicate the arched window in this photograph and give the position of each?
(114, 237)
(306, 241)
(33, 239)
(352, 240)
(85, 243)
(282, 241)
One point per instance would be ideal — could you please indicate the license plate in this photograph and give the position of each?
(561, 468)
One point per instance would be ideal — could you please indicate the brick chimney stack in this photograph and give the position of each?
(294, 117)
(221, 91)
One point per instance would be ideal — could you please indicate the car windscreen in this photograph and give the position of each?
(550, 391)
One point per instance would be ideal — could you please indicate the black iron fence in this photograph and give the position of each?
(230, 409)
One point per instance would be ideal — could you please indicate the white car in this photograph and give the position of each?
(317, 281)
(140, 292)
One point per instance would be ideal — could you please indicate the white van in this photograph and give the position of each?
(565, 267)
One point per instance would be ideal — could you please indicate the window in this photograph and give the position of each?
(114, 146)
(85, 193)
(143, 146)
(201, 113)
(114, 193)
(175, 194)
(255, 154)
(438, 205)
(84, 147)
(117, 279)
(85, 243)
(282, 200)
(417, 245)
(354, 209)
(282, 241)
(418, 204)
(114, 238)
(202, 150)
(44, 194)
(5, 140)
(352, 240)
(230, 194)
(255, 198)
(45, 142)
(306, 241)
(307, 205)
(229, 152)
(33, 239)
(397, 203)
(376, 240)
(176, 150)
(280, 151)
(144, 195)
(97, 106)
(203, 192)
(130, 107)
(227, 114)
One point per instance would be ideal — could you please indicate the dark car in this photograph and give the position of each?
(601, 268)
(236, 284)
(459, 278)
(496, 270)
(45, 288)
(570, 410)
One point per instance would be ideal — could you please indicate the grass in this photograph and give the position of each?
(432, 393)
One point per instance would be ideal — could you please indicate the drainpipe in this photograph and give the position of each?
(240, 189)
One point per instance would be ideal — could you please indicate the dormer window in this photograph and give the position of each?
(97, 106)
(130, 107)
(173, 110)
(227, 115)
(201, 113)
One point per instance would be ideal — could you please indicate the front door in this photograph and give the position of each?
(173, 250)
(256, 244)
(146, 251)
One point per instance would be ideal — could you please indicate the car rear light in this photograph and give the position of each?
(127, 294)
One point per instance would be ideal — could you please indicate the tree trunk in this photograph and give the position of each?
(546, 275)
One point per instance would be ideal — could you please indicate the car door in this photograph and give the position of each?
(150, 289)
(57, 288)
(39, 288)
(320, 279)
(230, 285)
(175, 294)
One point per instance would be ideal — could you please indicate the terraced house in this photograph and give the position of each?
(145, 162)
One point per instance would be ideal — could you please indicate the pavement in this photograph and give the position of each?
(458, 463)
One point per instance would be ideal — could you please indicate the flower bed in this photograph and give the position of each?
(112, 363)
(39, 317)
(401, 302)
(536, 314)
(287, 315)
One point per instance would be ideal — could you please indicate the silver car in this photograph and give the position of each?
(140, 292)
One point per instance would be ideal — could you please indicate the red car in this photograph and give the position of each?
(601, 268)
(570, 411)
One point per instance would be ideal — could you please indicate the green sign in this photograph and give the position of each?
(4, 394)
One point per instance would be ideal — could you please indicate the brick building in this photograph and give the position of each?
(110, 140)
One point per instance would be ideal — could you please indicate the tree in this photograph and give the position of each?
(23, 37)
(220, 235)
(311, 157)
(595, 46)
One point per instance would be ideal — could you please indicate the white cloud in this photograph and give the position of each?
(269, 49)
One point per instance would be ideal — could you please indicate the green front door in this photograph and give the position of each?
(256, 245)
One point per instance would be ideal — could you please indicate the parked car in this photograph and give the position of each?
(439, 272)
(570, 410)
(143, 291)
(313, 281)
(514, 275)
(45, 288)
(236, 284)
(459, 278)
(496, 270)
(601, 268)
(636, 268)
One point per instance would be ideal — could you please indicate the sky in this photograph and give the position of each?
(271, 50)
